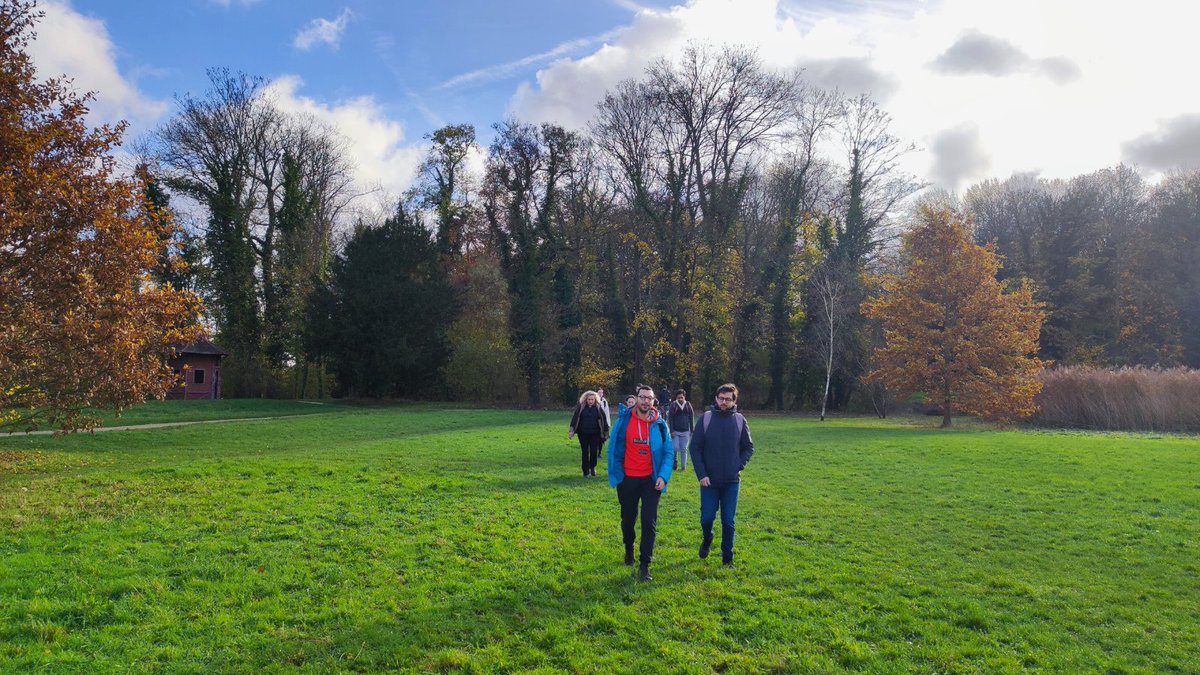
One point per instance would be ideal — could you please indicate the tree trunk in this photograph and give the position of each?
(829, 354)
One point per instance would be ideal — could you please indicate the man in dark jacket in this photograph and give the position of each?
(721, 447)
(681, 417)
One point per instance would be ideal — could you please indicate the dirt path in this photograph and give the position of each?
(157, 425)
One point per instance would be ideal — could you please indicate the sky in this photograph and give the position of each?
(1053, 88)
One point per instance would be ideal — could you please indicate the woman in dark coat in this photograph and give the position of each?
(590, 424)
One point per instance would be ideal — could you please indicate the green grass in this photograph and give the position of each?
(154, 412)
(419, 538)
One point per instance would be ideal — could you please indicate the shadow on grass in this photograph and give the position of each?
(533, 483)
(543, 619)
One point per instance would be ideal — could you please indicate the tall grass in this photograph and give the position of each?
(1128, 399)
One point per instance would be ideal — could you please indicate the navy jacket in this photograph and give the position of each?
(680, 420)
(721, 452)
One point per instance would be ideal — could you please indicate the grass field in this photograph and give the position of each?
(154, 412)
(446, 540)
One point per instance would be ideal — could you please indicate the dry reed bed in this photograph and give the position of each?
(1126, 399)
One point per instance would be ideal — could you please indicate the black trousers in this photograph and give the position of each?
(629, 492)
(589, 448)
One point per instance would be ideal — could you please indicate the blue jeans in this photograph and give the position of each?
(725, 498)
(681, 439)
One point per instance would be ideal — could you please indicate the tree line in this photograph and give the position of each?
(671, 241)
(716, 220)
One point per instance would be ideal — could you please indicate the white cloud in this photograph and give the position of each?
(1123, 71)
(375, 143)
(71, 44)
(503, 70)
(323, 31)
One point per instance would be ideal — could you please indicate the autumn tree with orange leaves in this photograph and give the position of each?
(82, 326)
(952, 331)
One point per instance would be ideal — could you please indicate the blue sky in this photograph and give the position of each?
(985, 89)
(401, 53)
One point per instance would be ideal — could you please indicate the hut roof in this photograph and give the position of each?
(202, 347)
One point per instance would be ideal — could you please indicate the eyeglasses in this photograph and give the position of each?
(645, 398)
(726, 399)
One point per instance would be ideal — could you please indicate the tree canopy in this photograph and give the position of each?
(953, 331)
(82, 325)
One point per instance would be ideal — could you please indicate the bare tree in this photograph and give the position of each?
(273, 186)
(876, 183)
(726, 103)
(832, 290)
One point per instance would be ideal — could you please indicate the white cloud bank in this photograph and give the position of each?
(1057, 87)
(71, 44)
(79, 47)
(375, 143)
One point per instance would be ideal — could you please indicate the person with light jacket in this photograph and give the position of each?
(603, 403)
(721, 447)
(681, 418)
(640, 455)
(591, 425)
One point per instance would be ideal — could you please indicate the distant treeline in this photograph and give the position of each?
(682, 239)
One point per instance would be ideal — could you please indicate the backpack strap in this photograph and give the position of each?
(737, 418)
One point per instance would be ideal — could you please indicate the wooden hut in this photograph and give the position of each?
(198, 367)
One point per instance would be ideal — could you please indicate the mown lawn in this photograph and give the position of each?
(154, 412)
(439, 539)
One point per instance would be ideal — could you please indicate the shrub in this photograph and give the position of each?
(1131, 399)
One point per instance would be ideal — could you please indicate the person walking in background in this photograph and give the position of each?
(681, 417)
(664, 400)
(591, 425)
(603, 403)
(640, 456)
(721, 447)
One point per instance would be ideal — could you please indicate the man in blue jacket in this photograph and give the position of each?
(721, 447)
(639, 466)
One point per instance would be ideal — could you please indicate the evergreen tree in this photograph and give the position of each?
(386, 311)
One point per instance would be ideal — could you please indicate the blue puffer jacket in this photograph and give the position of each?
(662, 451)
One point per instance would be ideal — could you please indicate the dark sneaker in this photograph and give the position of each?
(629, 558)
(644, 573)
(704, 549)
(728, 562)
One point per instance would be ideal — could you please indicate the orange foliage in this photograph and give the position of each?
(80, 323)
(952, 331)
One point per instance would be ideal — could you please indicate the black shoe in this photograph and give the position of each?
(644, 573)
(728, 562)
(629, 557)
(704, 548)
(593, 472)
